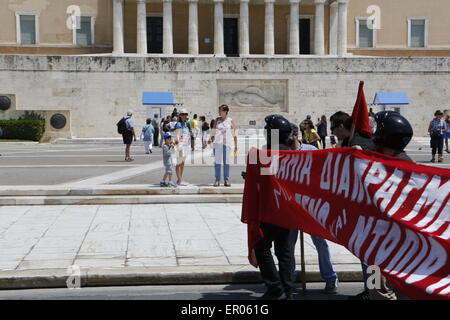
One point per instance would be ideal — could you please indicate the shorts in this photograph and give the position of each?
(182, 154)
(127, 137)
(169, 169)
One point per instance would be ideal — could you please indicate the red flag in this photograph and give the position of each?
(360, 115)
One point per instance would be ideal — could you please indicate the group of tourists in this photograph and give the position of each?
(178, 135)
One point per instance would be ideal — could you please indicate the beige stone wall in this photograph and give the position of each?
(99, 90)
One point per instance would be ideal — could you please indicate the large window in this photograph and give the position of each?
(365, 36)
(84, 35)
(27, 28)
(417, 32)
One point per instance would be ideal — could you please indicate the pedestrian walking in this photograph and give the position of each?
(204, 131)
(126, 127)
(223, 134)
(163, 128)
(156, 123)
(194, 131)
(168, 150)
(322, 130)
(436, 129)
(447, 134)
(148, 132)
(182, 134)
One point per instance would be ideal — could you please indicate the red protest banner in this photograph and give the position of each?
(391, 213)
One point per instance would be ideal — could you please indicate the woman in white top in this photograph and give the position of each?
(223, 134)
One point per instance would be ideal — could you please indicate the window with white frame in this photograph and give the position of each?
(365, 36)
(84, 33)
(27, 28)
(417, 32)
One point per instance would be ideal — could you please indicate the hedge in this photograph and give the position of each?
(22, 129)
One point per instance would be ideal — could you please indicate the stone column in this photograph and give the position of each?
(193, 27)
(218, 28)
(141, 27)
(118, 47)
(269, 32)
(319, 29)
(294, 32)
(167, 27)
(244, 42)
(342, 28)
(333, 27)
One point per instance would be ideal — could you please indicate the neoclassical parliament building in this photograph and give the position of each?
(226, 27)
(89, 61)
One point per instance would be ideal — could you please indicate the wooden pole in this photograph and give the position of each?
(302, 263)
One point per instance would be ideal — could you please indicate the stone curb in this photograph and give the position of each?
(19, 143)
(115, 190)
(117, 200)
(56, 278)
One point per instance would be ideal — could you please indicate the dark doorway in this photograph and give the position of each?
(305, 36)
(230, 37)
(155, 34)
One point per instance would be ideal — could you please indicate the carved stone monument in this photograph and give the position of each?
(253, 95)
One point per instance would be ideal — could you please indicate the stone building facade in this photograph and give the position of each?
(230, 27)
(293, 57)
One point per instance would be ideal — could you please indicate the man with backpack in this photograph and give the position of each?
(126, 128)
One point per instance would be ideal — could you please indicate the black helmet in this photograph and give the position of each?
(280, 123)
(276, 121)
(393, 130)
(294, 128)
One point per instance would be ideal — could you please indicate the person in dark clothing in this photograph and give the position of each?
(437, 129)
(156, 123)
(393, 134)
(279, 284)
(322, 130)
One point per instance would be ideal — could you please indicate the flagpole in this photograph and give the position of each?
(302, 263)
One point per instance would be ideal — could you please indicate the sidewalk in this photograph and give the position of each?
(136, 244)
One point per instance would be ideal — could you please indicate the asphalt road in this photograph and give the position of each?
(178, 292)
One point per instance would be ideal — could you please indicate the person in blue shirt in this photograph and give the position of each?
(147, 135)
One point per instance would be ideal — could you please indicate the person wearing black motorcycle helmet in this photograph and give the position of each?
(280, 285)
(277, 125)
(392, 135)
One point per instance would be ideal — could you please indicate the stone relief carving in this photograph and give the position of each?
(244, 94)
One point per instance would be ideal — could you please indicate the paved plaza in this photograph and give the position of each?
(85, 163)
